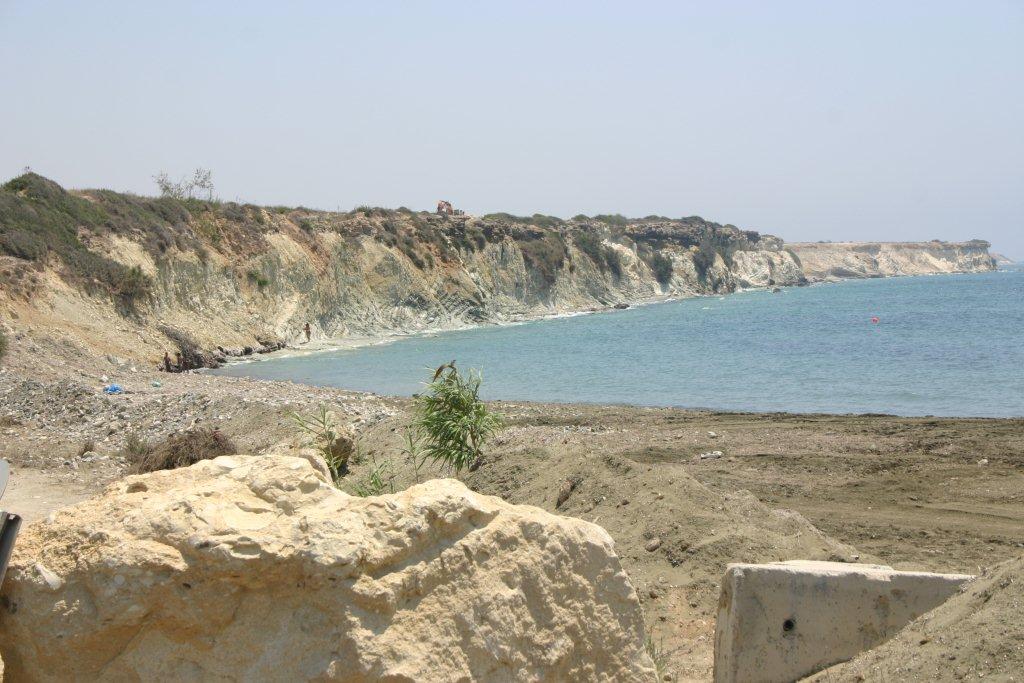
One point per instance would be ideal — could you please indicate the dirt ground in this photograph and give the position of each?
(977, 634)
(921, 493)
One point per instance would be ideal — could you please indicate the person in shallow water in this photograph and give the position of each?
(306, 330)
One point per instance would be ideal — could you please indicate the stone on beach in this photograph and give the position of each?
(256, 568)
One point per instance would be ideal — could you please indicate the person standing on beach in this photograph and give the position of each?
(306, 330)
(167, 362)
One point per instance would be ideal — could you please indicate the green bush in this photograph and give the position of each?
(452, 421)
(662, 267)
(704, 258)
(380, 479)
(606, 258)
(335, 449)
(131, 285)
(545, 254)
(661, 657)
(506, 217)
(372, 210)
(257, 279)
(538, 219)
(591, 245)
(712, 244)
(39, 219)
(612, 219)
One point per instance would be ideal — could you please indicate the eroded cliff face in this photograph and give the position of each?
(842, 260)
(133, 276)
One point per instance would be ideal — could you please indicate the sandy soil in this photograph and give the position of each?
(937, 494)
(976, 635)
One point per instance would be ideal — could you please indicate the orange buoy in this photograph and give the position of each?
(874, 319)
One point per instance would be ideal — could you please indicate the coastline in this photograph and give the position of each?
(333, 344)
(895, 488)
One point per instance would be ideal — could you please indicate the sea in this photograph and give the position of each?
(940, 345)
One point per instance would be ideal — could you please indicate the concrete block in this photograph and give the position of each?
(781, 621)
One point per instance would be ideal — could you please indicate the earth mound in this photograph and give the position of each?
(256, 568)
(976, 634)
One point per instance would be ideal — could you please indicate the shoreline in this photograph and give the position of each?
(327, 363)
(333, 344)
(918, 493)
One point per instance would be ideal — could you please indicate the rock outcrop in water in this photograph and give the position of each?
(256, 568)
(844, 260)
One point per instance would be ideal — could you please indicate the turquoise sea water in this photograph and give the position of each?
(943, 345)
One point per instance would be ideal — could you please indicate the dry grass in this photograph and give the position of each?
(180, 450)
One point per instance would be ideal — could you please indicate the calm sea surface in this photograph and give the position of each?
(943, 345)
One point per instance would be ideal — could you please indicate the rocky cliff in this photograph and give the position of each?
(841, 260)
(133, 276)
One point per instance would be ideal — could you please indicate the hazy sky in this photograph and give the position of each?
(810, 120)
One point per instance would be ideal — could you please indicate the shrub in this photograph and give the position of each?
(452, 420)
(234, 212)
(711, 244)
(135, 448)
(257, 279)
(179, 450)
(606, 258)
(590, 244)
(334, 448)
(612, 219)
(538, 219)
(661, 657)
(546, 254)
(662, 267)
(130, 285)
(505, 217)
(38, 219)
(380, 479)
(186, 187)
(613, 260)
(371, 210)
(543, 221)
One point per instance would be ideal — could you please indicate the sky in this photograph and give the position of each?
(808, 120)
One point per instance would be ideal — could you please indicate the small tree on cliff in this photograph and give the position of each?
(452, 421)
(185, 188)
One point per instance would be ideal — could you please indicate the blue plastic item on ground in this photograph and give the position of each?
(113, 389)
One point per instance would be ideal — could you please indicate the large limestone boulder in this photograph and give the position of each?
(256, 568)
